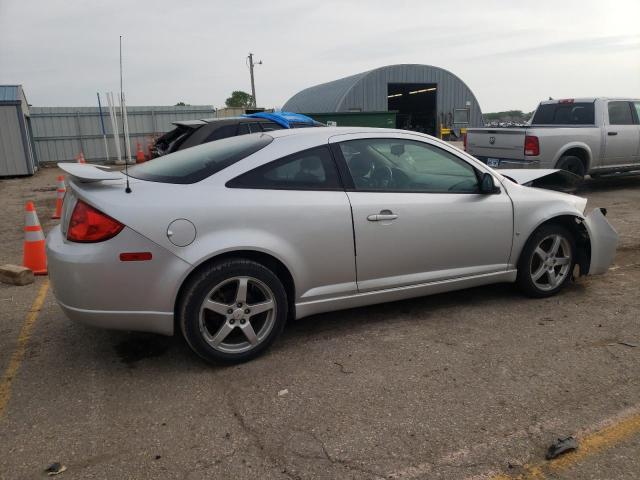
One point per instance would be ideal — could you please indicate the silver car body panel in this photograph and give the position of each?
(310, 232)
(93, 285)
(604, 241)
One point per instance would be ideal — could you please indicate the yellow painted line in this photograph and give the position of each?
(588, 445)
(18, 354)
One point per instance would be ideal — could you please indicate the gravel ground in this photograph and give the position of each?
(468, 384)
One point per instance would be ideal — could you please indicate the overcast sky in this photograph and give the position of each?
(510, 53)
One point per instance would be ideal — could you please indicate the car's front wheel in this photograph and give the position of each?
(232, 311)
(547, 261)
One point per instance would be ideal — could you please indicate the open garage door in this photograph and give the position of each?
(416, 106)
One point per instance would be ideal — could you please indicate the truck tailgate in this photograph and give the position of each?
(500, 143)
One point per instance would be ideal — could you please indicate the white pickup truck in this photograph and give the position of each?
(595, 136)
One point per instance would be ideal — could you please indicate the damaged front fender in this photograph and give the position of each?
(603, 239)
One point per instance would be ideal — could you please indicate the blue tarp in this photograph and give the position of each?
(283, 118)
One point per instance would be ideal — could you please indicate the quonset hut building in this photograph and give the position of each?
(426, 98)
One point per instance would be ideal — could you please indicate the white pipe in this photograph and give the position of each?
(123, 113)
(114, 126)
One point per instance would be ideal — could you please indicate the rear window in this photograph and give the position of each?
(197, 163)
(581, 113)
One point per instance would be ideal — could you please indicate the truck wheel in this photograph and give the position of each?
(571, 164)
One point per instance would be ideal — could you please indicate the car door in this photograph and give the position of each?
(300, 200)
(622, 135)
(417, 213)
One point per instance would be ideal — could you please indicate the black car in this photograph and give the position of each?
(190, 133)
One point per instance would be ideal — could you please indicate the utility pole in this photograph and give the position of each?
(253, 85)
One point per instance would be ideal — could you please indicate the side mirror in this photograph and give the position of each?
(487, 185)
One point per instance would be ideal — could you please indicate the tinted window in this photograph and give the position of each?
(312, 169)
(581, 113)
(268, 126)
(194, 164)
(395, 165)
(636, 105)
(243, 129)
(620, 113)
(225, 131)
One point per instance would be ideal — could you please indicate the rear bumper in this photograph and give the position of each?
(604, 240)
(153, 322)
(94, 287)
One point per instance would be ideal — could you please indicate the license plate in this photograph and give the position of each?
(493, 162)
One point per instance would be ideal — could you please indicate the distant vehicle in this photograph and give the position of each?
(225, 241)
(190, 133)
(593, 136)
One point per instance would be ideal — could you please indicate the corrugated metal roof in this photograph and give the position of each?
(325, 97)
(9, 93)
(368, 91)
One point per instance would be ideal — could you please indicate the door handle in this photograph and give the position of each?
(611, 134)
(382, 216)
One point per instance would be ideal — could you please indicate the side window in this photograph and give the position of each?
(312, 169)
(620, 113)
(636, 106)
(269, 126)
(224, 131)
(397, 165)
(243, 129)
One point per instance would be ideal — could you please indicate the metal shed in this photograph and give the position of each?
(17, 155)
(427, 98)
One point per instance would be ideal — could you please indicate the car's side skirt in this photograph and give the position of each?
(304, 309)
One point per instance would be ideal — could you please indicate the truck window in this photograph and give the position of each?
(620, 113)
(581, 113)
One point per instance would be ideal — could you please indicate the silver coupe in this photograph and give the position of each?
(226, 241)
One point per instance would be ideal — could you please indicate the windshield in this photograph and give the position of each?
(197, 163)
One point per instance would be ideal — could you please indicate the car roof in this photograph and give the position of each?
(233, 120)
(586, 100)
(329, 132)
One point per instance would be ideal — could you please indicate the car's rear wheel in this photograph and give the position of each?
(572, 164)
(547, 261)
(232, 311)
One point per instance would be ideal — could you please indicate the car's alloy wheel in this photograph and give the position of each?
(546, 262)
(550, 264)
(232, 310)
(237, 314)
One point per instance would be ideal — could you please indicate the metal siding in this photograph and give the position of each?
(368, 92)
(12, 153)
(59, 133)
(9, 93)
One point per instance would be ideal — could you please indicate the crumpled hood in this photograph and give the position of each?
(549, 179)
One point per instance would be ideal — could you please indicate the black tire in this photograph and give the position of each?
(200, 287)
(530, 260)
(572, 164)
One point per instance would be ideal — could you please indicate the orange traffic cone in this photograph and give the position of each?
(81, 158)
(61, 190)
(139, 154)
(34, 257)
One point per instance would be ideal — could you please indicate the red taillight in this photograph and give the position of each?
(464, 141)
(531, 146)
(566, 100)
(88, 225)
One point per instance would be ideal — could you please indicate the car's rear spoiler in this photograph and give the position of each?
(86, 173)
